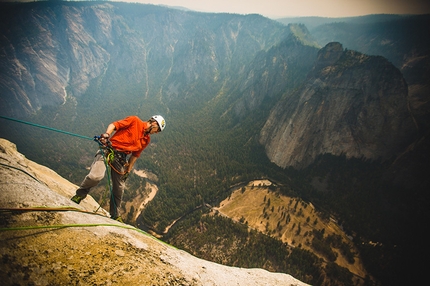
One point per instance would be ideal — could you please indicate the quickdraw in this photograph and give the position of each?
(108, 152)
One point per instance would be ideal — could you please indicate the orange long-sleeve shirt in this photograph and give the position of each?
(129, 135)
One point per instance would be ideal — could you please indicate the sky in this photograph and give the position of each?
(285, 8)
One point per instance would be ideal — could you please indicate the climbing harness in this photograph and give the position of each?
(108, 156)
(111, 154)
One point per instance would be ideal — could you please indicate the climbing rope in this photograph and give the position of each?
(46, 208)
(46, 127)
(108, 154)
(109, 157)
(109, 183)
(95, 138)
(68, 208)
(59, 209)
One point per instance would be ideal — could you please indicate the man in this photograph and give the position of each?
(131, 137)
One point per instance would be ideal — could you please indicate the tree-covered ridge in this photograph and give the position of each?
(215, 78)
(218, 239)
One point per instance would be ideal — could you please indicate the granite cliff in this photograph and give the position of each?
(52, 52)
(48, 240)
(77, 66)
(351, 104)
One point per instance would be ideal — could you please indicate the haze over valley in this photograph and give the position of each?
(330, 116)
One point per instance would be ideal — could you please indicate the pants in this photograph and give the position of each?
(97, 173)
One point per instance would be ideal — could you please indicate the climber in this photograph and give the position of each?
(131, 137)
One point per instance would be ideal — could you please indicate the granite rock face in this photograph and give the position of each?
(51, 53)
(49, 240)
(351, 104)
(46, 51)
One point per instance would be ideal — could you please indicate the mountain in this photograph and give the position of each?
(49, 240)
(402, 40)
(120, 43)
(233, 90)
(350, 104)
(271, 74)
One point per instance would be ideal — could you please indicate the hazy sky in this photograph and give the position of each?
(282, 8)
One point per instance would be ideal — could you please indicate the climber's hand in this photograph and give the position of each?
(104, 138)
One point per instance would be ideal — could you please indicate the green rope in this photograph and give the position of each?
(50, 226)
(72, 134)
(48, 208)
(109, 181)
(111, 155)
(68, 208)
(104, 195)
(67, 225)
(60, 226)
(45, 127)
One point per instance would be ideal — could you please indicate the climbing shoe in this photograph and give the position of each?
(77, 199)
(118, 219)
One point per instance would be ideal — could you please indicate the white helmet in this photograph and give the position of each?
(160, 120)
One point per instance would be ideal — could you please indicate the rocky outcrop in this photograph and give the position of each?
(350, 104)
(276, 71)
(52, 51)
(46, 50)
(49, 240)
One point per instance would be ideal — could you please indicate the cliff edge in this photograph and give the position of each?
(49, 240)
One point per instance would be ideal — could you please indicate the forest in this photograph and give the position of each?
(211, 143)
